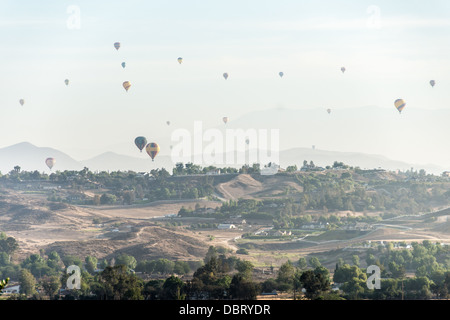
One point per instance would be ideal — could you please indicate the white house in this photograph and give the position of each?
(11, 289)
(226, 226)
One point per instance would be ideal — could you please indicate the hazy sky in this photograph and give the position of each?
(391, 49)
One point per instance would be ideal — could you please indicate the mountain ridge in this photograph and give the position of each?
(30, 157)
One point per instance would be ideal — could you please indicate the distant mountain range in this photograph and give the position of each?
(30, 157)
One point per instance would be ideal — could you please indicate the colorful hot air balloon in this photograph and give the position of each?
(126, 85)
(21, 101)
(343, 69)
(117, 45)
(400, 104)
(225, 119)
(281, 74)
(50, 162)
(66, 82)
(432, 82)
(152, 150)
(123, 64)
(225, 75)
(180, 60)
(140, 142)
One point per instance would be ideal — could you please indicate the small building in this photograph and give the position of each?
(11, 289)
(226, 226)
(213, 172)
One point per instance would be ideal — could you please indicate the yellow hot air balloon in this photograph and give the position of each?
(400, 104)
(225, 119)
(50, 162)
(180, 60)
(126, 85)
(152, 149)
(21, 101)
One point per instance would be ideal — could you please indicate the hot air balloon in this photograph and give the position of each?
(247, 141)
(180, 60)
(343, 69)
(400, 104)
(50, 162)
(21, 101)
(140, 142)
(225, 119)
(329, 111)
(432, 82)
(66, 82)
(117, 45)
(168, 123)
(152, 150)
(281, 74)
(225, 75)
(123, 64)
(127, 85)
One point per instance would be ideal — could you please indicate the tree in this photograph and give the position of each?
(346, 273)
(9, 245)
(354, 287)
(302, 264)
(245, 268)
(397, 271)
(285, 278)
(91, 264)
(27, 282)
(314, 283)
(355, 260)
(212, 252)
(181, 267)
(243, 289)
(128, 197)
(172, 288)
(115, 283)
(126, 260)
(314, 262)
(107, 198)
(50, 285)
(153, 289)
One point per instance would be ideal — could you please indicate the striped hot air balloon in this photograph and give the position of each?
(50, 162)
(152, 149)
(126, 85)
(400, 104)
(117, 45)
